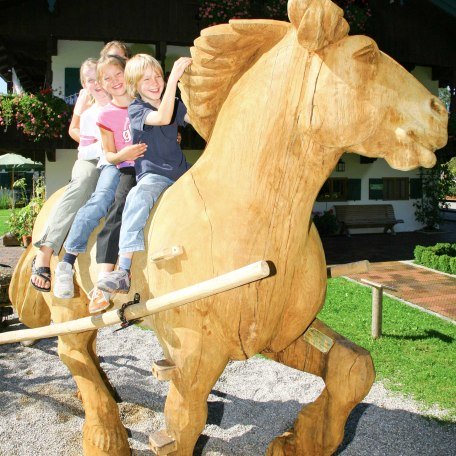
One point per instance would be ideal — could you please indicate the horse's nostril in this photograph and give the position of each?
(437, 106)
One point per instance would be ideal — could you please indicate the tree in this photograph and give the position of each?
(436, 184)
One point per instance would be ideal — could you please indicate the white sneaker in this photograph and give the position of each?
(63, 281)
(115, 282)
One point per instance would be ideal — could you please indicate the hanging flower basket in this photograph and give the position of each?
(41, 116)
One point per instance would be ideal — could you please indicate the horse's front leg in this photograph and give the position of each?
(200, 359)
(103, 432)
(348, 373)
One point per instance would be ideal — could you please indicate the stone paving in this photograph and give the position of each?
(420, 286)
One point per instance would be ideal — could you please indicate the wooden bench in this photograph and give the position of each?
(366, 216)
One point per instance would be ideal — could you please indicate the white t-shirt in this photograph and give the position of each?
(90, 143)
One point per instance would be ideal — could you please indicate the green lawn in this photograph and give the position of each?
(4, 215)
(416, 354)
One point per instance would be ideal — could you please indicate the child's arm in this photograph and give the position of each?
(74, 129)
(165, 111)
(82, 103)
(131, 152)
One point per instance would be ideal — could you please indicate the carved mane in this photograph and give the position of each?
(223, 53)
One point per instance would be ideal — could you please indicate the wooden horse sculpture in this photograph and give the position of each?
(278, 104)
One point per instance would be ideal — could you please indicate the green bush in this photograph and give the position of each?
(326, 222)
(6, 198)
(418, 252)
(444, 263)
(441, 257)
(453, 265)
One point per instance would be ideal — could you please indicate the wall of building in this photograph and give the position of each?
(424, 75)
(58, 173)
(70, 54)
(376, 170)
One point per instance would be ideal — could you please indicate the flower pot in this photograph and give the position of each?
(10, 241)
(26, 240)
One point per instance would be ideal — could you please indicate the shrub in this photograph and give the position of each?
(441, 256)
(444, 263)
(418, 252)
(436, 183)
(21, 220)
(326, 222)
(453, 265)
(6, 198)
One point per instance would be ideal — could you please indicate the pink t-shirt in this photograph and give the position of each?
(115, 119)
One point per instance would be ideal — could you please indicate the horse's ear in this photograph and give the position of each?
(318, 22)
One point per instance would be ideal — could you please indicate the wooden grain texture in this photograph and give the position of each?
(278, 103)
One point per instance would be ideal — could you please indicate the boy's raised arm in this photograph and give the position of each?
(165, 111)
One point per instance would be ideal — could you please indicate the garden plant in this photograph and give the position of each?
(441, 256)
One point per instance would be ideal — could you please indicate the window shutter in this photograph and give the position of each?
(375, 189)
(354, 189)
(416, 188)
(72, 83)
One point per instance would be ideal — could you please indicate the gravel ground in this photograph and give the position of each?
(252, 402)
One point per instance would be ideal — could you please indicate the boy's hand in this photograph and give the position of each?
(134, 151)
(179, 67)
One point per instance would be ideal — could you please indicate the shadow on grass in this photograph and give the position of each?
(428, 334)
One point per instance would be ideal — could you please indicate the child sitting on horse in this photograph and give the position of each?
(116, 140)
(154, 121)
(84, 175)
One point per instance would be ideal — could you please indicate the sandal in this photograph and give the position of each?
(43, 272)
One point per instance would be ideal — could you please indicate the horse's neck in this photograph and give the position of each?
(258, 148)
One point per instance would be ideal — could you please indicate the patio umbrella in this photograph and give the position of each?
(15, 162)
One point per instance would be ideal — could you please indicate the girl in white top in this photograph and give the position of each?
(84, 175)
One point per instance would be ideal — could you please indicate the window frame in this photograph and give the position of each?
(330, 181)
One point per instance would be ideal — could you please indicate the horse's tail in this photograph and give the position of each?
(28, 302)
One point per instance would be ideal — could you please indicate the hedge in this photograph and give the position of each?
(441, 256)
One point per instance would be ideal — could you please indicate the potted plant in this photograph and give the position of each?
(40, 116)
(21, 220)
(326, 222)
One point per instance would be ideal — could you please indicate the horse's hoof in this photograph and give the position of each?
(282, 445)
(99, 440)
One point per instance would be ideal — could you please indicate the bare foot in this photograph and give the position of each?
(43, 259)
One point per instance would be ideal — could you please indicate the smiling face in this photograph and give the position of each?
(90, 83)
(150, 86)
(112, 80)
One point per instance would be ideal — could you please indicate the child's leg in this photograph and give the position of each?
(85, 222)
(108, 237)
(139, 203)
(84, 177)
(90, 214)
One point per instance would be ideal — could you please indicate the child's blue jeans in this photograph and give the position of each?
(140, 201)
(88, 217)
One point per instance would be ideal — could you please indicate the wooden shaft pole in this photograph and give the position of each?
(337, 270)
(228, 281)
(377, 298)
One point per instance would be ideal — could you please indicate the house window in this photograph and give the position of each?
(396, 188)
(334, 189)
